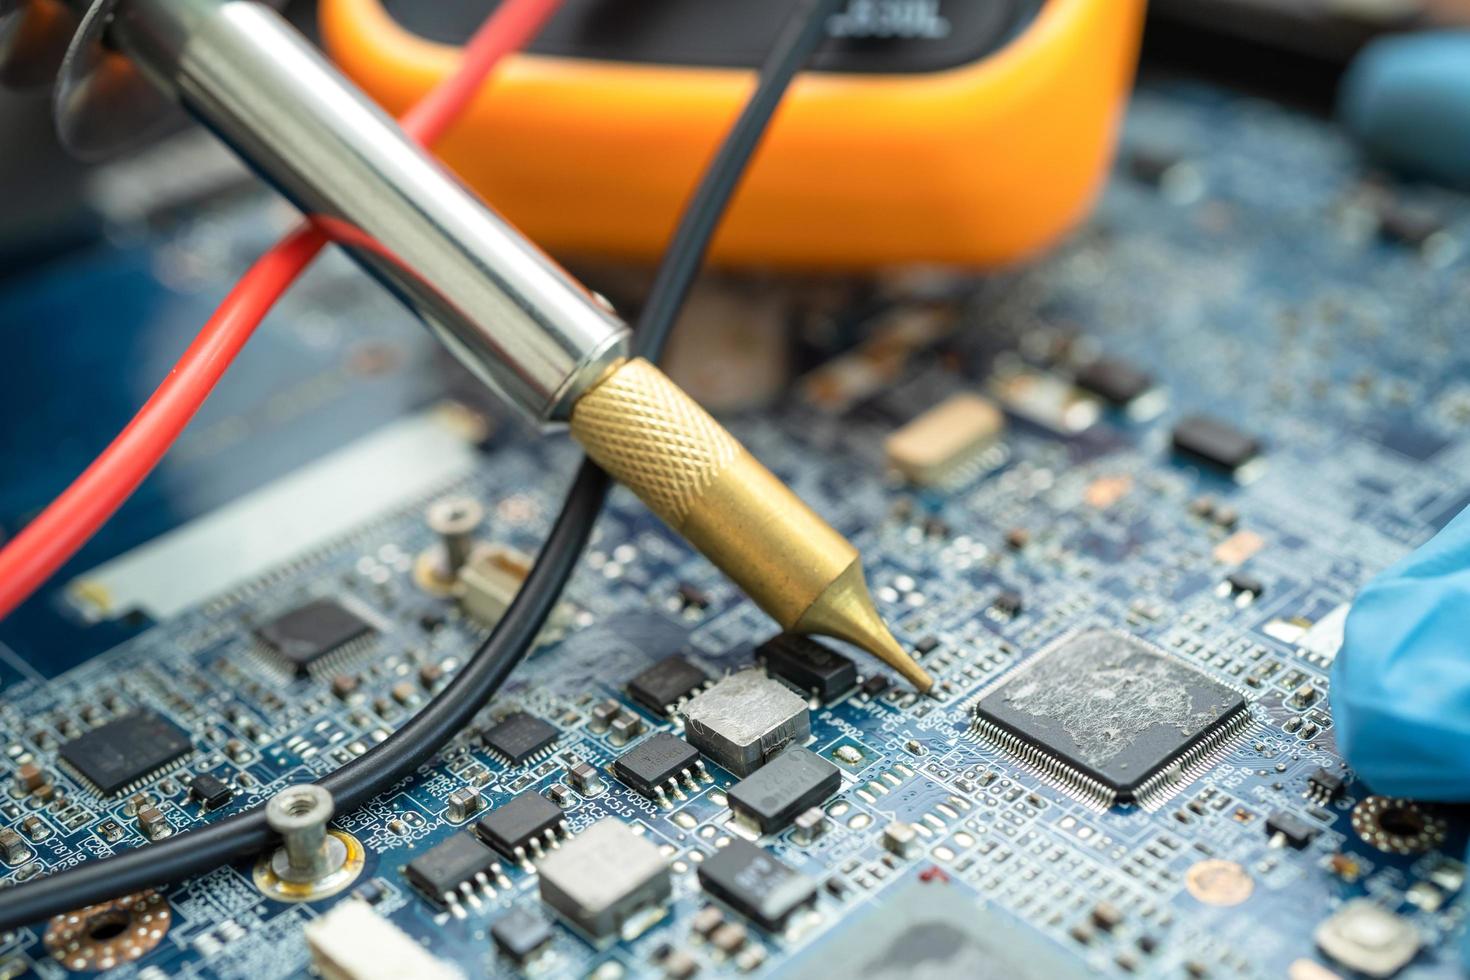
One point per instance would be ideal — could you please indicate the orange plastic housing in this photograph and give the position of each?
(974, 166)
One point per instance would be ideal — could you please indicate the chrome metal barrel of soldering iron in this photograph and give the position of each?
(510, 313)
(501, 305)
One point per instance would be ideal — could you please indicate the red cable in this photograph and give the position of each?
(59, 531)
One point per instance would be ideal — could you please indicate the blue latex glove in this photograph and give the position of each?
(1407, 98)
(1401, 682)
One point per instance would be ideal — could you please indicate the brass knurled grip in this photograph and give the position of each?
(653, 438)
(656, 440)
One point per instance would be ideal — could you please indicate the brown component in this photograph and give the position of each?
(30, 777)
(109, 934)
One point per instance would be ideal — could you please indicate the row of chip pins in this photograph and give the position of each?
(472, 894)
(690, 777)
(538, 851)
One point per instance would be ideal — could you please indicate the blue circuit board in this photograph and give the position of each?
(1241, 256)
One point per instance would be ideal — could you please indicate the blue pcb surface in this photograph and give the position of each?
(1238, 256)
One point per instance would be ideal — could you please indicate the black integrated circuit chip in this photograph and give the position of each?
(518, 737)
(776, 793)
(126, 751)
(522, 828)
(661, 687)
(521, 934)
(1008, 603)
(655, 764)
(809, 665)
(210, 791)
(308, 633)
(1215, 442)
(1148, 165)
(1243, 582)
(1290, 829)
(445, 870)
(1116, 382)
(1109, 717)
(756, 884)
(1325, 786)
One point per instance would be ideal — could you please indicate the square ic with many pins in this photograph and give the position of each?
(519, 737)
(1110, 718)
(298, 638)
(119, 755)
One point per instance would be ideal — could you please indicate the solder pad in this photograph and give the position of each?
(1109, 717)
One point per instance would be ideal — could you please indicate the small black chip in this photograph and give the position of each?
(777, 792)
(371, 892)
(1243, 583)
(693, 597)
(308, 633)
(656, 762)
(756, 884)
(522, 828)
(1290, 829)
(211, 791)
(1109, 717)
(1148, 166)
(875, 684)
(445, 870)
(125, 751)
(1116, 382)
(809, 666)
(1407, 224)
(1325, 786)
(661, 687)
(519, 736)
(1215, 442)
(1008, 603)
(521, 935)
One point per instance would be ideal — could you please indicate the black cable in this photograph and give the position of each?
(801, 33)
(195, 852)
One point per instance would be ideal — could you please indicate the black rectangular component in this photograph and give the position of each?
(1116, 382)
(1110, 716)
(875, 684)
(1324, 785)
(523, 827)
(693, 597)
(1215, 442)
(519, 736)
(310, 632)
(756, 884)
(651, 765)
(521, 934)
(809, 666)
(126, 750)
(1148, 166)
(1241, 582)
(1407, 224)
(778, 791)
(1293, 830)
(439, 872)
(211, 791)
(1008, 603)
(666, 683)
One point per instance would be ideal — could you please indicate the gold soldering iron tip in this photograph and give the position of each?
(653, 438)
